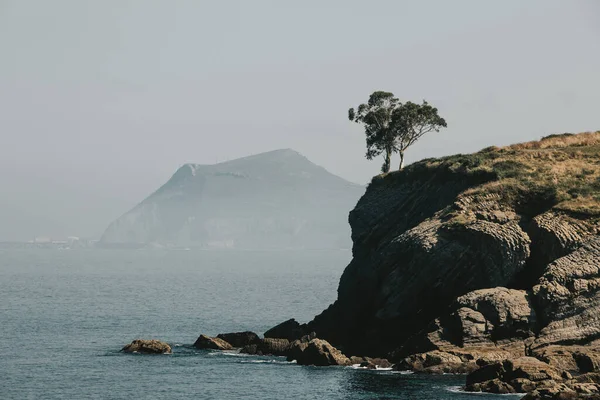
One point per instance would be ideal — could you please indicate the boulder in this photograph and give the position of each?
(557, 391)
(437, 362)
(370, 363)
(214, 343)
(521, 374)
(496, 313)
(239, 339)
(320, 353)
(290, 330)
(496, 386)
(147, 347)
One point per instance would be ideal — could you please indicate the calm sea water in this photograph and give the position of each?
(64, 315)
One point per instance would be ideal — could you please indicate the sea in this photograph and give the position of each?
(65, 315)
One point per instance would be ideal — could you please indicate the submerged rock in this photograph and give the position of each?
(147, 347)
(214, 343)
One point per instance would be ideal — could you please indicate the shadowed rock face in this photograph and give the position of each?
(271, 200)
(239, 339)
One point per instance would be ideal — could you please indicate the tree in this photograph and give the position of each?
(376, 116)
(410, 121)
(391, 126)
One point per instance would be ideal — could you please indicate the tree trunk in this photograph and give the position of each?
(388, 161)
(401, 160)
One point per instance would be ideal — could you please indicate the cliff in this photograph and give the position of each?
(495, 253)
(273, 200)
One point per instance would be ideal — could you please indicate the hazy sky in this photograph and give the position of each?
(101, 101)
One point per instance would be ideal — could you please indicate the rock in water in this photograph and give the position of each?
(207, 342)
(290, 330)
(240, 339)
(268, 346)
(147, 347)
(320, 353)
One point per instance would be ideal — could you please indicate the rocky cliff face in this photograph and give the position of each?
(495, 253)
(271, 200)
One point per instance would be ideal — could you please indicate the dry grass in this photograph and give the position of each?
(561, 141)
(560, 172)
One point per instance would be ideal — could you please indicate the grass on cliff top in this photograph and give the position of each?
(559, 171)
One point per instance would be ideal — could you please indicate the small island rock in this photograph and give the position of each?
(214, 343)
(147, 347)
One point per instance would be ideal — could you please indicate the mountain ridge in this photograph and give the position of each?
(251, 194)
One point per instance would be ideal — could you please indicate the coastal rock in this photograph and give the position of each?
(495, 314)
(239, 339)
(320, 353)
(290, 330)
(296, 349)
(524, 373)
(214, 343)
(490, 249)
(489, 260)
(147, 347)
(554, 392)
(371, 363)
(436, 362)
(568, 295)
(268, 346)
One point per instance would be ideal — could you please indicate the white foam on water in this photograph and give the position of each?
(377, 368)
(228, 353)
(268, 362)
(461, 390)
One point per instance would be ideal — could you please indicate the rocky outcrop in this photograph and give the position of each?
(213, 343)
(239, 339)
(290, 330)
(371, 363)
(437, 362)
(268, 346)
(147, 347)
(523, 374)
(489, 260)
(568, 297)
(320, 353)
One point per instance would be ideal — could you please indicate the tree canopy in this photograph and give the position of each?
(391, 126)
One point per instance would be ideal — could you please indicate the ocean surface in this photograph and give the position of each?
(64, 316)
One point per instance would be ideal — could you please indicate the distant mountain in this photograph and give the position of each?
(273, 200)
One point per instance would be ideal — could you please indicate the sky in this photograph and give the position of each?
(101, 101)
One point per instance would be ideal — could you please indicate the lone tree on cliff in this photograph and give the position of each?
(411, 121)
(376, 116)
(391, 126)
